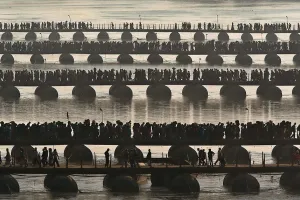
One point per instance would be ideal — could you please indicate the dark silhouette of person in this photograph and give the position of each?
(219, 156)
(50, 162)
(55, 158)
(210, 154)
(45, 156)
(7, 158)
(148, 157)
(106, 158)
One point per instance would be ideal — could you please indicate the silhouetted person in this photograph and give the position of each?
(55, 158)
(210, 154)
(199, 156)
(106, 158)
(149, 156)
(219, 156)
(7, 158)
(45, 156)
(50, 162)
(35, 157)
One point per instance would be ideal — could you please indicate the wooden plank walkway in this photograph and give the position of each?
(118, 169)
(166, 30)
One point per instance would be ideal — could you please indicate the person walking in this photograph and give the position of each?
(55, 158)
(45, 156)
(219, 156)
(149, 156)
(210, 156)
(106, 158)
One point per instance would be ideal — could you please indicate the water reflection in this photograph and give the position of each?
(141, 108)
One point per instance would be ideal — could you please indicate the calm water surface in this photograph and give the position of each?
(140, 108)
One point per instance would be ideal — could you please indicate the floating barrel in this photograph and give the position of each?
(95, 59)
(124, 184)
(244, 60)
(233, 153)
(157, 179)
(37, 59)
(151, 36)
(263, 87)
(228, 180)
(159, 92)
(283, 153)
(60, 183)
(199, 36)
(294, 37)
(78, 36)
(155, 59)
(246, 37)
(119, 152)
(46, 92)
(273, 59)
(78, 153)
(296, 90)
(125, 59)
(223, 36)
(8, 184)
(7, 59)
(214, 59)
(84, 92)
(66, 58)
(103, 36)
(195, 92)
(233, 92)
(185, 183)
(126, 36)
(54, 36)
(245, 183)
(30, 36)
(179, 154)
(273, 93)
(271, 37)
(174, 36)
(8, 36)
(269, 92)
(108, 180)
(120, 91)
(29, 151)
(286, 179)
(296, 59)
(10, 92)
(184, 59)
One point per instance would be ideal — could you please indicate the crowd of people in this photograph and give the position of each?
(146, 76)
(48, 157)
(277, 27)
(148, 131)
(52, 47)
(208, 26)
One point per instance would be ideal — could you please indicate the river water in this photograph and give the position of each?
(140, 109)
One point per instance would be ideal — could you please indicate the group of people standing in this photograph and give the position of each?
(48, 157)
(207, 159)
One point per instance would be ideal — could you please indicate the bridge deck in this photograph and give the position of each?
(153, 142)
(195, 53)
(117, 169)
(241, 83)
(168, 30)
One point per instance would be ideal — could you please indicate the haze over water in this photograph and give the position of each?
(140, 108)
